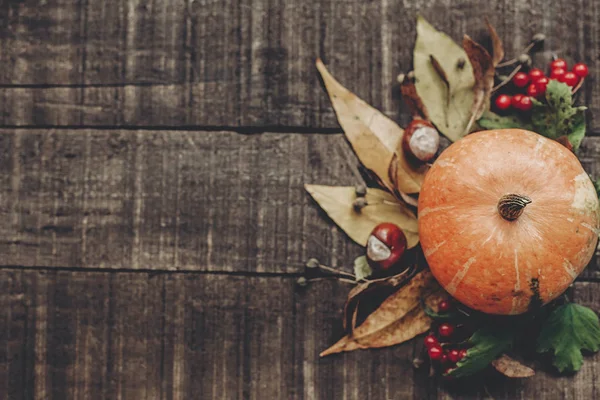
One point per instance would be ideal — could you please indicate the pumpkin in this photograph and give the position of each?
(507, 220)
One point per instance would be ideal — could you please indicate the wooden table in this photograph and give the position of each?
(152, 160)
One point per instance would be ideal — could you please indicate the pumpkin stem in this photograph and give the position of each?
(511, 206)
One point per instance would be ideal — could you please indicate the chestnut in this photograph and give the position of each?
(385, 247)
(420, 141)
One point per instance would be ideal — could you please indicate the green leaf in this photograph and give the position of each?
(444, 80)
(558, 117)
(558, 95)
(597, 186)
(577, 129)
(490, 120)
(569, 329)
(486, 345)
(362, 269)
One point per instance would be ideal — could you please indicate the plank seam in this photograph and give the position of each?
(592, 279)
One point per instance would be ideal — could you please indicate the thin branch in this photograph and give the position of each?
(508, 79)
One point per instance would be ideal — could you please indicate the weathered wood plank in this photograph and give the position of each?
(97, 335)
(213, 201)
(244, 63)
(177, 200)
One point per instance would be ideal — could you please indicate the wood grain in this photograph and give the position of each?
(177, 200)
(98, 335)
(246, 63)
(212, 201)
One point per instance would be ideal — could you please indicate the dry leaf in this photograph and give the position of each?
(512, 368)
(450, 119)
(483, 70)
(399, 318)
(397, 171)
(373, 136)
(337, 202)
(411, 201)
(412, 99)
(363, 289)
(444, 77)
(497, 46)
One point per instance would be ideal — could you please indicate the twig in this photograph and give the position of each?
(508, 79)
(487, 392)
(325, 278)
(337, 272)
(516, 59)
(576, 88)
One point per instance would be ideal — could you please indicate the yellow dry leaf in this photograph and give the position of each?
(399, 318)
(337, 202)
(373, 136)
(449, 112)
(512, 368)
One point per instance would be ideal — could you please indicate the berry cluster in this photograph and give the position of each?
(534, 84)
(440, 347)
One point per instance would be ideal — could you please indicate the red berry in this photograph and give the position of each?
(571, 79)
(447, 371)
(454, 356)
(558, 63)
(532, 91)
(520, 79)
(541, 84)
(444, 306)
(430, 341)
(445, 330)
(516, 100)
(581, 70)
(463, 353)
(444, 358)
(558, 74)
(435, 352)
(385, 247)
(535, 74)
(525, 104)
(503, 102)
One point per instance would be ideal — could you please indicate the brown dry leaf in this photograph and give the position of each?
(412, 99)
(497, 46)
(399, 318)
(450, 119)
(512, 368)
(408, 199)
(483, 70)
(337, 202)
(364, 288)
(402, 165)
(396, 174)
(373, 136)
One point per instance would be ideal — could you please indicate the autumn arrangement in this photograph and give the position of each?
(474, 245)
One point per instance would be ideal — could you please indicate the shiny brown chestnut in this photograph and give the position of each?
(385, 248)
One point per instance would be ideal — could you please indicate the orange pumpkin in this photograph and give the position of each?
(507, 220)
